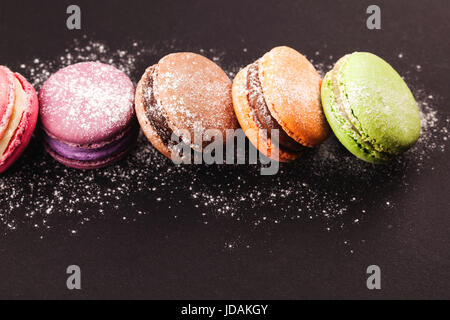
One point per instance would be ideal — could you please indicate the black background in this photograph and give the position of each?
(165, 258)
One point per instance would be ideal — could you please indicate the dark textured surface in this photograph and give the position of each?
(161, 257)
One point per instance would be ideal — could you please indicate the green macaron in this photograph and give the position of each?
(370, 108)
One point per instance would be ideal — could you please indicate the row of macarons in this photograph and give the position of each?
(87, 111)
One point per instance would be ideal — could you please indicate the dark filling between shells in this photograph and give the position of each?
(153, 111)
(262, 113)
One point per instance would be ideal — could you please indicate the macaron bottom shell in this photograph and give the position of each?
(86, 165)
(86, 158)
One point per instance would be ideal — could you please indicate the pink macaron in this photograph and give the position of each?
(19, 111)
(87, 115)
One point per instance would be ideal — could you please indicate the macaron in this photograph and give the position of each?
(19, 111)
(370, 108)
(280, 91)
(181, 98)
(87, 115)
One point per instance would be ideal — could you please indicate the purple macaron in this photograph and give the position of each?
(87, 115)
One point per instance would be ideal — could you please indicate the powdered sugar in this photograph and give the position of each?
(196, 94)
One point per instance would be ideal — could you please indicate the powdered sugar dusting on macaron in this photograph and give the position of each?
(86, 103)
(195, 94)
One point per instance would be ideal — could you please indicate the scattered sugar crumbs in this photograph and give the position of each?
(327, 185)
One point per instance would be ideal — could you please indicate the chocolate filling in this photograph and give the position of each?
(263, 117)
(153, 111)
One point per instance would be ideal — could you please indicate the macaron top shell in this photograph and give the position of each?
(86, 103)
(195, 94)
(7, 94)
(379, 103)
(291, 87)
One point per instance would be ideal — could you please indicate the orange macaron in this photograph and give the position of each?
(280, 91)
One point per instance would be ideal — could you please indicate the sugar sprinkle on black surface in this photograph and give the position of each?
(328, 185)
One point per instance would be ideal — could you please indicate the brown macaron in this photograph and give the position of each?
(184, 93)
(280, 91)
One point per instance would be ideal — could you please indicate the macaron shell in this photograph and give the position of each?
(87, 165)
(7, 93)
(381, 102)
(87, 103)
(340, 126)
(246, 119)
(148, 129)
(26, 127)
(195, 95)
(291, 87)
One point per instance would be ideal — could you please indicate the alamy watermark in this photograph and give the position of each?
(74, 280)
(229, 148)
(73, 22)
(374, 280)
